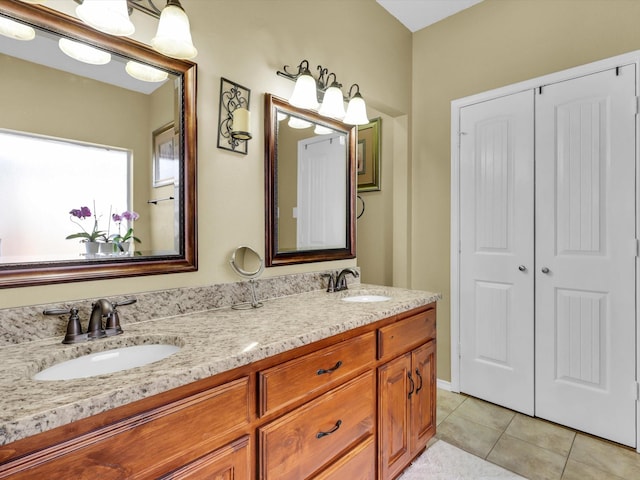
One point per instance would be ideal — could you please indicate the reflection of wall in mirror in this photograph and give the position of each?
(288, 139)
(58, 107)
(161, 215)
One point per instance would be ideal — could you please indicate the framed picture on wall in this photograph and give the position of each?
(368, 156)
(166, 152)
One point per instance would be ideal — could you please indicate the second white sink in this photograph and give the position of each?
(366, 298)
(108, 361)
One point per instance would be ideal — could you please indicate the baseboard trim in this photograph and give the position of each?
(444, 385)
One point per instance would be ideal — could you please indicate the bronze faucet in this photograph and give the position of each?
(101, 309)
(337, 281)
(341, 280)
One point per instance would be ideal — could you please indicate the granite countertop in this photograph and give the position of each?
(212, 342)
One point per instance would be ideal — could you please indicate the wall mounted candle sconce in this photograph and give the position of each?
(307, 91)
(234, 131)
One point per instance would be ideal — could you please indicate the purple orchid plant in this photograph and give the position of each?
(82, 213)
(130, 216)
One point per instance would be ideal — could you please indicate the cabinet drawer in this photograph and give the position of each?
(231, 462)
(357, 464)
(402, 336)
(302, 377)
(300, 443)
(147, 444)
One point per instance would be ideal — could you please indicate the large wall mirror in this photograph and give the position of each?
(96, 152)
(310, 186)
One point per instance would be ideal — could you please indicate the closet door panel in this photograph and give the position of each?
(585, 254)
(496, 251)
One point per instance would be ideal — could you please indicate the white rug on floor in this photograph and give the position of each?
(443, 461)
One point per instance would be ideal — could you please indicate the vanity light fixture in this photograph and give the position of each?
(172, 38)
(304, 93)
(107, 16)
(234, 131)
(357, 109)
(333, 103)
(307, 88)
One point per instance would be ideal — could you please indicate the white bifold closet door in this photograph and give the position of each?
(585, 254)
(496, 251)
(552, 335)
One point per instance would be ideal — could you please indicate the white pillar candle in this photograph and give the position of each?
(241, 124)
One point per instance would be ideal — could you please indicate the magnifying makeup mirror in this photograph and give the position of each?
(248, 264)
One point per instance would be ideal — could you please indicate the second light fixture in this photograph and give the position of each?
(306, 90)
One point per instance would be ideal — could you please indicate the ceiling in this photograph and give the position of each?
(417, 14)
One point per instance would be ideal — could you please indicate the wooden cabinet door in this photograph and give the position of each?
(394, 385)
(231, 462)
(423, 404)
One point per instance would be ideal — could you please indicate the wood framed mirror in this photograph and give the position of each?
(166, 208)
(310, 186)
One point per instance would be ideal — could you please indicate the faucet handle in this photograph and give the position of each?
(58, 311)
(74, 328)
(331, 284)
(129, 301)
(112, 326)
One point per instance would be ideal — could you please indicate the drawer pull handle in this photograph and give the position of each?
(322, 371)
(421, 382)
(329, 432)
(413, 385)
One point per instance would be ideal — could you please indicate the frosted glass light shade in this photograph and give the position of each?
(108, 16)
(304, 93)
(16, 30)
(322, 130)
(332, 104)
(84, 53)
(146, 73)
(173, 37)
(356, 111)
(295, 122)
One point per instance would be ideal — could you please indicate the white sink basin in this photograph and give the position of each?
(108, 361)
(366, 298)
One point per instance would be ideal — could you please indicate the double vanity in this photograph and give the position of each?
(312, 385)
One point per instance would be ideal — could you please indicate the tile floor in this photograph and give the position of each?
(533, 448)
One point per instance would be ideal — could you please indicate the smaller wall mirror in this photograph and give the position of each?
(247, 263)
(310, 186)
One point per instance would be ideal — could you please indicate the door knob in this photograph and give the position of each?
(522, 268)
(545, 270)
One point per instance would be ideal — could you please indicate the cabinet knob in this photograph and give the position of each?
(545, 270)
(522, 268)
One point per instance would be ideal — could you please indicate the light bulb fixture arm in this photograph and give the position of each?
(303, 69)
(349, 95)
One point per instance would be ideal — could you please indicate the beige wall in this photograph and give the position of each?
(247, 41)
(494, 43)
